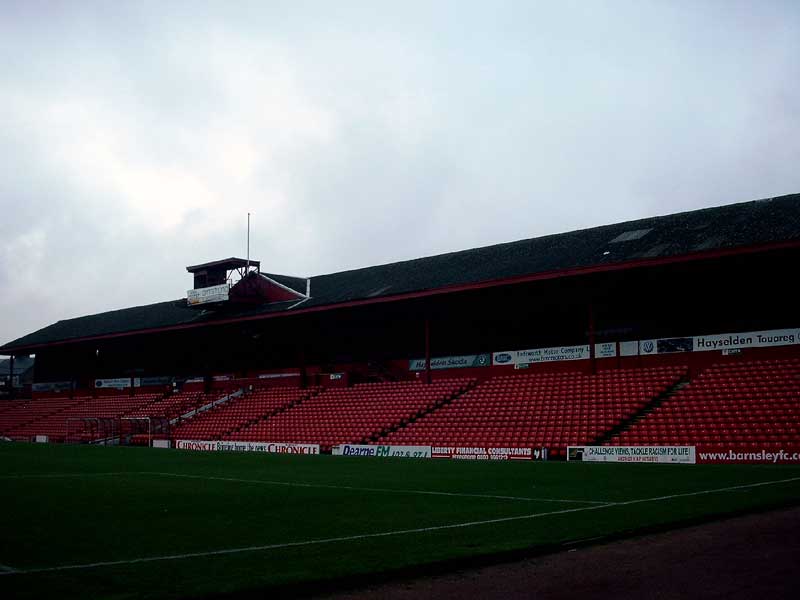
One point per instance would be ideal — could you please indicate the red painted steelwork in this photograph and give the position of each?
(427, 350)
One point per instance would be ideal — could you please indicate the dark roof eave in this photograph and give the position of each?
(231, 263)
(571, 272)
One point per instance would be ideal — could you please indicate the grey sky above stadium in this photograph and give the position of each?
(136, 138)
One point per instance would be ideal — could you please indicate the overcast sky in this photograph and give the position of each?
(135, 137)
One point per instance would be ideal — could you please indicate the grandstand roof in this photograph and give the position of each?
(735, 228)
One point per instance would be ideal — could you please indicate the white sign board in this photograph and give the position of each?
(117, 383)
(633, 454)
(721, 342)
(382, 451)
(277, 375)
(452, 362)
(234, 446)
(552, 354)
(488, 453)
(605, 350)
(753, 339)
(215, 293)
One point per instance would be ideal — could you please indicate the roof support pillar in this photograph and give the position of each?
(96, 372)
(427, 350)
(592, 358)
(11, 377)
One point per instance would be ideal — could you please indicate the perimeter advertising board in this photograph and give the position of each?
(770, 455)
(633, 454)
(488, 453)
(382, 451)
(233, 446)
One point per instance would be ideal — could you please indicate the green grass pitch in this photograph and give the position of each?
(80, 522)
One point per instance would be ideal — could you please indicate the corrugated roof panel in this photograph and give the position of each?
(629, 236)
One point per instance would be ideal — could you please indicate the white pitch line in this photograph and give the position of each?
(714, 491)
(7, 569)
(349, 538)
(370, 489)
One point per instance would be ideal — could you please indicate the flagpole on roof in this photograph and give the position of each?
(248, 242)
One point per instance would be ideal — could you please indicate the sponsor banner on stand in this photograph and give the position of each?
(505, 358)
(146, 381)
(647, 347)
(488, 453)
(382, 451)
(452, 362)
(753, 339)
(117, 383)
(52, 386)
(605, 350)
(278, 375)
(214, 293)
(234, 446)
(553, 354)
(633, 454)
(665, 346)
(725, 342)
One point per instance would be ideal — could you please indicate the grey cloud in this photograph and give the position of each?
(137, 137)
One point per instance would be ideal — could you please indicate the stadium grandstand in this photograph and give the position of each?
(678, 330)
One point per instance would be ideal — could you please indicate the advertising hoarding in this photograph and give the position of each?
(234, 446)
(633, 454)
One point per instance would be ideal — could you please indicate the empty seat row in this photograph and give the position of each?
(354, 414)
(734, 404)
(240, 411)
(539, 409)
